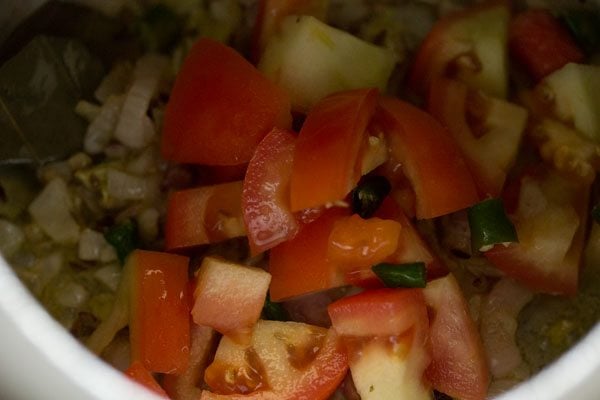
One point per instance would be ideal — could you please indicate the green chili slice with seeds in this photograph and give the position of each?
(410, 275)
(490, 225)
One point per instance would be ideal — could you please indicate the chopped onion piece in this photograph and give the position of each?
(498, 325)
(115, 83)
(43, 271)
(145, 163)
(135, 129)
(101, 130)
(51, 210)
(70, 294)
(87, 110)
(108, 254)
(92, 245)
(118, 318)
(123, 186)
(11, 238)
(110, 275)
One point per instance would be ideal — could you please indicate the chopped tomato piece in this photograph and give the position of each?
(550, 218)
(410, 248)
(213, 116)
(355, 242)
(385, 334)
(272, 12)
(469, 45)
(306, 256)
(540, 42)
(141, 375)
(301, 265)
(229, 297)
(458, 365)
(487, 130)
(284, 361)
(431, 159)
(265, 196)
(379, 312)
(159, 327)
(326, 160)
(203, 215)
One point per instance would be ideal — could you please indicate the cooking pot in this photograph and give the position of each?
(39, 359)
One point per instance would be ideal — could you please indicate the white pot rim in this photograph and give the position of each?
(40, 359)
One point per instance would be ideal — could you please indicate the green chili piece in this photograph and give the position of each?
(274, 311)
(490, 225)
(123, 238)
(411, 275)
(369, 194)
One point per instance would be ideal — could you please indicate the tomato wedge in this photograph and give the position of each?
(203, 215)
(265, 195)
(220, 108)
(272, 12)
(301, 265)
(541, 44)
(458, 366)
(326, 160)
(379, 312)
(487, 130)
(430, 157)
(284, 361)
(385, 335)
(550, 218)
(469, 45)
(159, 326)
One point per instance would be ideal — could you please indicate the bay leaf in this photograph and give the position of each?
(39, 88)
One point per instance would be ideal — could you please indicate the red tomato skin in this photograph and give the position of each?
(517, 265)
(193, 215)
(322, 378)
(458, 366)
(447, 102)
(160, 311)
(300, 265)
(220, 108)
(327, 149)
(431, 159)
(541, 44)
(380, 312)
(141, 375)
(438, 49)
(265, 194)
(272, 12)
